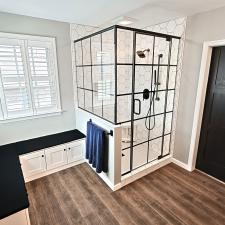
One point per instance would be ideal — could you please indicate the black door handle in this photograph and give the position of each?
(139, 107)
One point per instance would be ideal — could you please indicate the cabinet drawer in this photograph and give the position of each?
(56, 156)
(33, 163)
(75, 151)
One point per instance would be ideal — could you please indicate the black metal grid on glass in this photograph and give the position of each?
(99, 95)
(87, 94)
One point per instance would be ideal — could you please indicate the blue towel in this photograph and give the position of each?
(96, 151)
(89, 139)
(100, 148)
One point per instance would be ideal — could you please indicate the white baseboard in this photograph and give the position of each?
(104, 177)
(142, 171)
(46, 173)
(181, 164)
(220, 181)
(136, 174)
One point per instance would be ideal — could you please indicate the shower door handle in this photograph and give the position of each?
(139, 106)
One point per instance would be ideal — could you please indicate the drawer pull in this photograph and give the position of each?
(123, 155)
(43, 156)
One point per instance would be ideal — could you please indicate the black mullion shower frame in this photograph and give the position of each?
(132, 94)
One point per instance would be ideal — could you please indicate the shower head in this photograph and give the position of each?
(141, 53)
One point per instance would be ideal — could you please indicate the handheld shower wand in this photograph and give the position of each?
(157, 83)
(154, 96)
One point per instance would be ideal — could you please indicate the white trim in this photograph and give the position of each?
(26, 36)
(220, 181)
(142, 171)
(27, 40)
(48, 172)
(8, 120)
(181, 164)
(102, 176)
(134, 175)
(200, 99)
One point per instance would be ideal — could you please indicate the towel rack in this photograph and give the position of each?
(107, 133)
(110, 133)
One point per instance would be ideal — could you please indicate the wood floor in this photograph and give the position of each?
(169, 195)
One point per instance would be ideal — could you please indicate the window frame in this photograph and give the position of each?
(26, 39)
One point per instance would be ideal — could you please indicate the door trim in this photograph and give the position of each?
(200, 99)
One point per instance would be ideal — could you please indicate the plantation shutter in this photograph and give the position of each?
(42, 77)
(14, 83)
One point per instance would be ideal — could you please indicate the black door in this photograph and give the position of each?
(211, 152)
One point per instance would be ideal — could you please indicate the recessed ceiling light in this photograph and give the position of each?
(124, 20)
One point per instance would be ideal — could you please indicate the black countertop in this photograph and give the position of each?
(13, 194)
(24, 147)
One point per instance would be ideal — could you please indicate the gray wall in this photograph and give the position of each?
(15, 131)
(207, 26)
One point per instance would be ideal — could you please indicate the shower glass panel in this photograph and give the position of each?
(127, 76)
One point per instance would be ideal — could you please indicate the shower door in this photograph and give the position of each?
(150, 75)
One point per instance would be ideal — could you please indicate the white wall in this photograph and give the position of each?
(202, 27)
(15, 131)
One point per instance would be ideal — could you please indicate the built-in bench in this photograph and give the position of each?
(50, 153)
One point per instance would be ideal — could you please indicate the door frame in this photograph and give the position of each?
(200, 99)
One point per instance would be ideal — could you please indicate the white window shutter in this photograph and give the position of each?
(28, 76)
(14, 84)
(43, 77)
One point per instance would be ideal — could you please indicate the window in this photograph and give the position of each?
(28, 76)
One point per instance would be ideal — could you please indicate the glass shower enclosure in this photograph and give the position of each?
(127, 76)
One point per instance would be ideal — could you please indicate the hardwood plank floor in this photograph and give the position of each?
(169, 195)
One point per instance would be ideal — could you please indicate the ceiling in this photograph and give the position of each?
(98, 12)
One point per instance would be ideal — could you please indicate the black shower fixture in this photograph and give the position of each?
(141, 53)
(145, 94)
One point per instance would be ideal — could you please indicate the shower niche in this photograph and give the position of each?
(127, 77)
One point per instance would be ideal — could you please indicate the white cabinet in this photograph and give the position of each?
(75, 151)
(56, 156)
(41, 163)
(125, 161)
(33, 163)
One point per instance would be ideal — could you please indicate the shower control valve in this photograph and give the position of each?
(145, 94)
